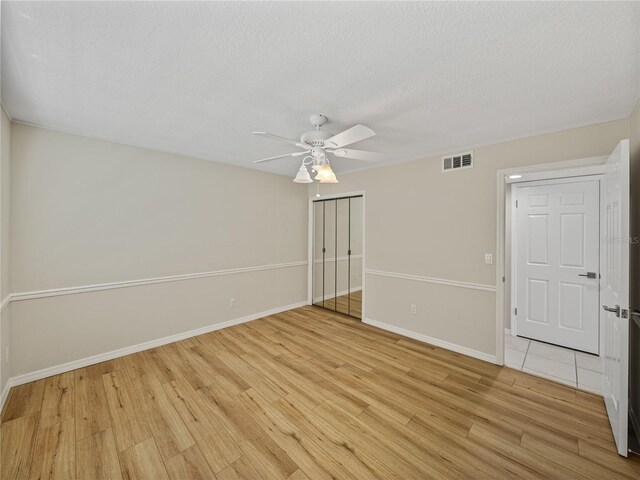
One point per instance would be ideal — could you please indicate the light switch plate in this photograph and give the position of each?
(488, 258)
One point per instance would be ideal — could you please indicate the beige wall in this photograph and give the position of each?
(5, 155)
(421, 221)
(86, 212)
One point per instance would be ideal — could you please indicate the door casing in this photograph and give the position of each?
(546, 171)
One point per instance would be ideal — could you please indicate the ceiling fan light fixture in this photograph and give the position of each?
(325, 174)
(303, 176)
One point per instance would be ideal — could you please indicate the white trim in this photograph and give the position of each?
(561, 174)
(339, 259)
(566, 168)
(6, 112)
(5, 393)
(102, 357)
(439, 281)
(432, 341)
(507, 332)
(5, 302)
(16, 297)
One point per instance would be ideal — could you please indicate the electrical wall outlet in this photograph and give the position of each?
(488, 258)
(414, 309)
(232, 302)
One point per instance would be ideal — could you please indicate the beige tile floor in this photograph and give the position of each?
(576, 369)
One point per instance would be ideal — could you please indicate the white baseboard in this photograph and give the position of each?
(432, 341)
(102, 357)
(5, 394)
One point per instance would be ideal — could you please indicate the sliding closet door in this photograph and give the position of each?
(331, 235)
(356, 234)
(318, 254)
(337, 255)
(342, 260)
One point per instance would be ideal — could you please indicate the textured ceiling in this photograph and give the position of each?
(429, 78)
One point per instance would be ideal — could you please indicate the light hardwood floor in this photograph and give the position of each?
(305, 394)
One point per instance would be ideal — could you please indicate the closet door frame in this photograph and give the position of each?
(311, 236)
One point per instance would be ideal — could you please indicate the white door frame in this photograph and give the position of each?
(311, 237)
(546, 171)
(514, 238)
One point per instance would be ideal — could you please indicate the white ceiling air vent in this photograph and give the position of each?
(458, 161)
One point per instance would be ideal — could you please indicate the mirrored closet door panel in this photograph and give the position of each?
(356, 224)
(318, 254)
(342, 259)
(337, 255)
(330, 235)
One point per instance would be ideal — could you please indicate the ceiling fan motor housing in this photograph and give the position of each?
(315, 138)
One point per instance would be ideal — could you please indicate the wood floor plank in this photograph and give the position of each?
(143, 462)
(190, 464)
(241, 469)
(137, 365)
(291, 414)
(302, 450)
(57, 402)
(97, 457)
(54, 453)
(17, 438)
(90, 401)
(610, 459)
(171, 434)
(24, 400)
(305, 394)
(569, 459)
(219, 450)
(129, 425)
(191, 408)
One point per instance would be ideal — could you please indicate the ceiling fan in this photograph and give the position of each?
(317, 143)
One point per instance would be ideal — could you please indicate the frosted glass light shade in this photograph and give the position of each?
(303, 175)
(325, 174)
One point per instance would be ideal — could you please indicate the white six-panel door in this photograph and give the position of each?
(557, 263)
(615, 292)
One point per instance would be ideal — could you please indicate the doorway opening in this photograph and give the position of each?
(337, 254)
(553, 324)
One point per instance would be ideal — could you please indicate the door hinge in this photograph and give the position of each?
(516, 310)
(624, 313)
(324, 250)
(349, 252)
(516, 203)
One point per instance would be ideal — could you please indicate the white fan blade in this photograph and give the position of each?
(294, 154)
(358, 154)
(352, 135)
(279, 138)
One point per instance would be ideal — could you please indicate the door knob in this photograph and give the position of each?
(615, 310)
(588, 274)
